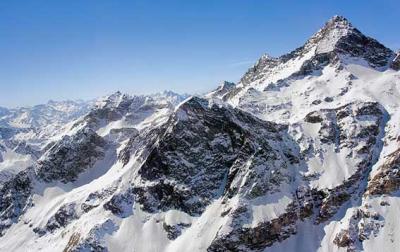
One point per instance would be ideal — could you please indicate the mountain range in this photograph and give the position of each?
(301, 154)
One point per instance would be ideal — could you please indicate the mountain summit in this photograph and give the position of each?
(302, 154)
(337, 41)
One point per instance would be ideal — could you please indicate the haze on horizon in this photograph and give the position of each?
(81, 50)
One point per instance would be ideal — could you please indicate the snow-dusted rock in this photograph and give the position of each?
(15, 198)
(66, 159)
(302, 154)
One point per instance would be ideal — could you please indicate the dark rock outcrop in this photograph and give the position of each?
(387, 179)
(15, 198)
(64, 215)
(396, 62)
(66, 159)
(202, 149)
(173, 231)
(121, 204)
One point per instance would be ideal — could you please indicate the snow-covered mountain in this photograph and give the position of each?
(24, 132)
(302, 154)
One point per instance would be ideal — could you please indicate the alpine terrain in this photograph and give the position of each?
(302, 154)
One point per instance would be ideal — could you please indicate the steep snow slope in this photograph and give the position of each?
(301, 155)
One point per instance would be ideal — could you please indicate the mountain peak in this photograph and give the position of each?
(222, 89)
(339, 36)
(337, 23)
(337, 41)
(227, 84)
(328, 36)
(339, 20)
(112, 100)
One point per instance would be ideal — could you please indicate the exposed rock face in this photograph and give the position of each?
(14, 198)
(94, 199)
(362, 225)
(65, 160)
(387, 179)
(65, 215)
(353, 130)
(131, 109)
(257, 238)
(316, 63)
(110, 109)
(138, 145)
(174, 231)
(255, 72)
(223, 89)
(121, 204)
(357, 45)
(396, 62)
(202, 150)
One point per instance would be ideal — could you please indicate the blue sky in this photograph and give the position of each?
(87, 48)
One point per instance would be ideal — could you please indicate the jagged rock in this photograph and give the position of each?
(173, 231)
(387, 179)
(262, 64)
(66, 159)
(138, 144)
(384, 203)
(316, 63)
(362, 225)
(64, 215)
(121, 204)
(72, 242)
(94, 199)
(131, 109)
(259, 237)
(316, 102)
(223, 89)
(202, 145)
(14, 198)
(109, 109)
(343, 239)
(266, 233)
